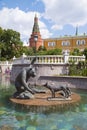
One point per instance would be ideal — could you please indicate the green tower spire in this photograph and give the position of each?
(36, 27)
(76, 31)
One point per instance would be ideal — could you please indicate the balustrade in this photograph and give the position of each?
(50, 59)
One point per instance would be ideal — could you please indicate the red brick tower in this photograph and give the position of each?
(35, 31)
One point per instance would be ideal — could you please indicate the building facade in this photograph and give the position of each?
(68, 43)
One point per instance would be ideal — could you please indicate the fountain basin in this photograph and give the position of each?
(46, 100)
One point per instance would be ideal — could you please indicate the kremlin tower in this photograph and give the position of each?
(35, 32)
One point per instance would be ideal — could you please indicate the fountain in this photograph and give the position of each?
(28, 94)
(40, 113)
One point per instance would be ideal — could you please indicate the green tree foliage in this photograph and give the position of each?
(41, 48)
(28, 51)
(76, 52)
(82, 67)
(55, 51)
(85, 52)
(79, 69)
(72, 68)
(43, 51)
(10, 44)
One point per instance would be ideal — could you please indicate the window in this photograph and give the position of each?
(80, 42)
(65, 43)
(51, 43)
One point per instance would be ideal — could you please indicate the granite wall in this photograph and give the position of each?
(51, 73)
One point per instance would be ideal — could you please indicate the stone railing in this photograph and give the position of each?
(5, 62)
(77, 58)
(49, 59)
(48, 65)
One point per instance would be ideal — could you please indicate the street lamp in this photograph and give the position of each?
(35, 40)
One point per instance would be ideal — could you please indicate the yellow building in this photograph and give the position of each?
(68, 43)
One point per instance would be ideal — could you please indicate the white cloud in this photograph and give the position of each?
(56, 27)
(21, 21)
(63, 12)
(43, 29)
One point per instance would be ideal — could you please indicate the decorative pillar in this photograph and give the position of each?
(66, 57)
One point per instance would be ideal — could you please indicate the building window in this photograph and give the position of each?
(65, 43)
(80, 42)
(51, 44)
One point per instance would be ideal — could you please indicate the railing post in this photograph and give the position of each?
(66, 57)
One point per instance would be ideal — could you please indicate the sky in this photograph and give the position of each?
(55, 17)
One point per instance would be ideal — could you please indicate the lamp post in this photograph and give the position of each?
(35, 40)
(0, 54)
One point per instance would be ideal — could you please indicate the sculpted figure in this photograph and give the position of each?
(22, 87)
(25, 89)
(65, 90)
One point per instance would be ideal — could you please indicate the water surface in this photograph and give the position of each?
(17, 117)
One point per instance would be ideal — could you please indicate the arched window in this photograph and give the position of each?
(82, 42)
(78, 42)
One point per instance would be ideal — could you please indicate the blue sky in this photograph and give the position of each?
(56, 17)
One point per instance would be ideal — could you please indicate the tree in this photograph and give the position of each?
(28, 51)
(76, 52)
(79, 69)
(85, 52)
(55, 51)
(42, 48)
(10, 44)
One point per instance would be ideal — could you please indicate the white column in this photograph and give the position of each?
(66, 57)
